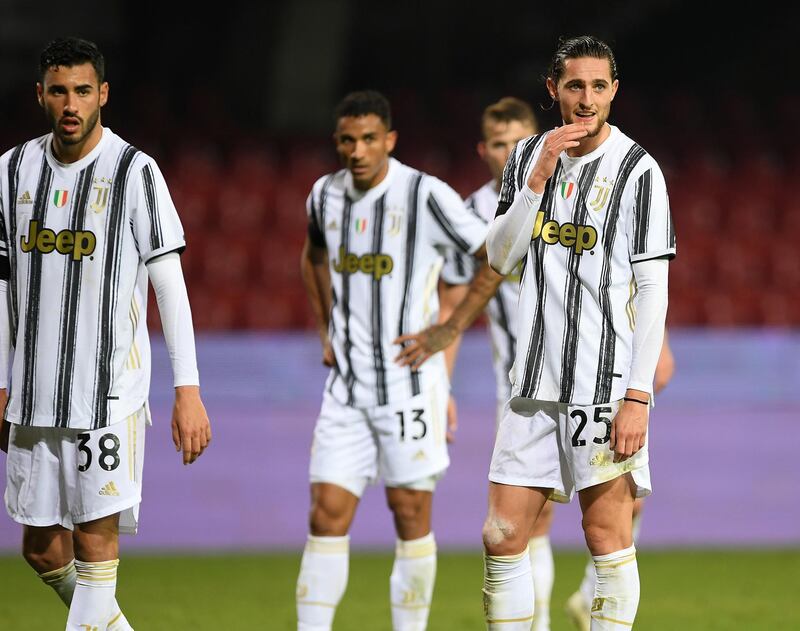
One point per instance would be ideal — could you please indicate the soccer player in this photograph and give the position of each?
(503, 125)
(371, 265)
(85, 219)
(587, 210)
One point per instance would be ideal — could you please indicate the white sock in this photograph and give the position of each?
(589, 575)
(62, 581)
(411, 583)
(322, 581)
(93, 599)
(543, 572)
(617, 593)
(508, 592)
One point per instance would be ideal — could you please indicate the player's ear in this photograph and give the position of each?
(481, 149)
(614, 87)
(552, 89)
(40, 94)
(103, 93)
(391, 140)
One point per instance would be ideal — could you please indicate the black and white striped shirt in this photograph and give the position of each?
(502, 308)
(600, 213)
(385, 254)
(75, 238)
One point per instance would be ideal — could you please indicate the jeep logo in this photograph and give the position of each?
(569, 235)
(78, 243)
(378, 265)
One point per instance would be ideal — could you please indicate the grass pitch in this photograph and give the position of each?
(681, 591)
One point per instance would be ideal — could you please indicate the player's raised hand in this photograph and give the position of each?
(558, 140)
(191, 429)
(629, 430)
(418, 347)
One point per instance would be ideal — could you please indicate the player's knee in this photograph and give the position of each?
(407, 510)
(500, 536)
(598, 537)
(326, 520)
(94, 546)
(40, 557)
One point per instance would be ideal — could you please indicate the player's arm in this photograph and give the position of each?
(665, 366)
(191, 429)
(450, 295)
(317, 280)
(5, 353)
(629, 427)
(420, 346)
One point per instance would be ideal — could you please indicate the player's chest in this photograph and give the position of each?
(63, 213)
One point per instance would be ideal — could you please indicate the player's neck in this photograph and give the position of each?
(67, 154)
(590, 143)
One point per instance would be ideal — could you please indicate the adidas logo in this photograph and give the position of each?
(420, 455)
(25, 198)
(332, 225)
(109, 489)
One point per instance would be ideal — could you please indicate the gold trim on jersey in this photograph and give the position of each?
(630, 308)
(134, 357)
(431, 287)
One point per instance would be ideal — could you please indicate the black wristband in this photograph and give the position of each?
(635, 400)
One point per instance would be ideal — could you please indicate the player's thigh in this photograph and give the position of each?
(544, 521)
(607, 514)
(411, 438)
(585, 441)
(47, 548)
(97, 540)
(526, 449)
(343, 451)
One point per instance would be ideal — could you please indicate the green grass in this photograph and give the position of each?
(681, 591)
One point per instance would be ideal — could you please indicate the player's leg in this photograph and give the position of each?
(342, 464)
(607, 524)
(526, 469)
(414, 570)
(43, 459)
(413, 454)
(542, 567)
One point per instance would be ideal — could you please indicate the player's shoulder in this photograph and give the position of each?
(39, 144)
(483, 201)
(628, 149)
(334, 180)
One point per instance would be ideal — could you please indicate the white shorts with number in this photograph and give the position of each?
(402, 443)
(562, 447)
(71, 476)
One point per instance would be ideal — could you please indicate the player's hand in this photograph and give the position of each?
(5, 427)
(558, 140)
(418, 347)
(327, 354)
(191, 429)
(629, 430)
(452, 419)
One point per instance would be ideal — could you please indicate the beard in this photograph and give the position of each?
(84, 130)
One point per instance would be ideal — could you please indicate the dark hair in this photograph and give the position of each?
(509, 109)
(72, 51)
(365, 102)
(583, 46)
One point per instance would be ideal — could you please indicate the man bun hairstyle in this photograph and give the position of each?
(72, 51)
(583, 46)
(365, 102)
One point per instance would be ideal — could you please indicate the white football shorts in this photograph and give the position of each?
(561, 447)
(70, 476)
(403, 443)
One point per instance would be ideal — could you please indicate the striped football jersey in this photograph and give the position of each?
(75, 240)
(599, 214)
(385, 254)
(502, 308)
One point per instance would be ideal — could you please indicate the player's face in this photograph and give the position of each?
(499, 140)
(584, 92)
(364, 145)
(71, 98)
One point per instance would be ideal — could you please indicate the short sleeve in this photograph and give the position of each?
(651, 233)
(155, 220)
(315, 232)
(458, 268)
(453, 225)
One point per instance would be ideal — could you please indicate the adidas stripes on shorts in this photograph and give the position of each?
(70, 476)
(402, 443)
